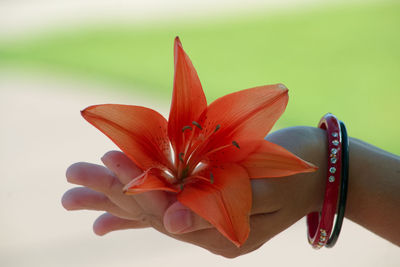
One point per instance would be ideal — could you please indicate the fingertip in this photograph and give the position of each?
(109, 156)
(75, 172)
(124, 168)
(72, 199)
(98, 225)
(66, 200)
(98, 231)
(70, 172)
(178, 219)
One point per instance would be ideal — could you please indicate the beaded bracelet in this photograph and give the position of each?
(343, 188)
(320, 224)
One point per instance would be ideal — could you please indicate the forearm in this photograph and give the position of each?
(374, 190)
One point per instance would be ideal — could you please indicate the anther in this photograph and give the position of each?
(235, 144)
(195, 123)
(211, 178)
(181, 156)
(186, 127)
(217, 128)
(185, 172)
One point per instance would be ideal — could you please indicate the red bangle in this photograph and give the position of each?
(320, 224)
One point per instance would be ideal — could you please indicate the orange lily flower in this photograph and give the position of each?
(206, 155)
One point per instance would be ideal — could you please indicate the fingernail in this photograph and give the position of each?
(178, 221)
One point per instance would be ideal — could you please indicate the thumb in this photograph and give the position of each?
(178, 219)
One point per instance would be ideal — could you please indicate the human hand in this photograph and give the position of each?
(277, 202)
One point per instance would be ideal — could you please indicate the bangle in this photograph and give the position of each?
(343, 188)
(320, 224)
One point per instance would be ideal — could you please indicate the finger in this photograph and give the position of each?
(155, 202)
(83, 198)
(121, 165)
(107, 223)
(103, 180)
(179, 219)
(94, 176)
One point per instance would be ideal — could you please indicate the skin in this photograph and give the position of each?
(373, 196)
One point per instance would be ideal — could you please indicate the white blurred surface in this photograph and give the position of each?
(42, 133)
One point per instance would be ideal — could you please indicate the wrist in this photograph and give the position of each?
(310, 144)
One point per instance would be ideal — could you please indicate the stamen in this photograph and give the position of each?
(195, 123)
(211, 178)
(201, 141)
(215, 150)
(181, 157)
(186, 127)
(185, 172)
(235, 144)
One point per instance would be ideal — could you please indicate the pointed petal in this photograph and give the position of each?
(233, 153)
(248, 114)
(148, 181)
(244, 115)
(188, 100)
(141, 133)
(225, 203)
(272, 160)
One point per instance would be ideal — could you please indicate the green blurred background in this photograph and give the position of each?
(343, 59)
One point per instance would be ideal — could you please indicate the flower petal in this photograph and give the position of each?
(141, 133)
(233, 153)
(188, 99)
(248, 114)
(244, 115)
(147, 181)
(272, 160)
(225, 203)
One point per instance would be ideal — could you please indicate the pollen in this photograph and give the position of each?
(195, 123)
(235, 144)
(211, 178)
(186, 128)
(181, 157)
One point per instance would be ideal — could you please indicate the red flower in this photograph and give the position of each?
(205, 154)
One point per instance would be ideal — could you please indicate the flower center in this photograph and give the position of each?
(194, 155)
